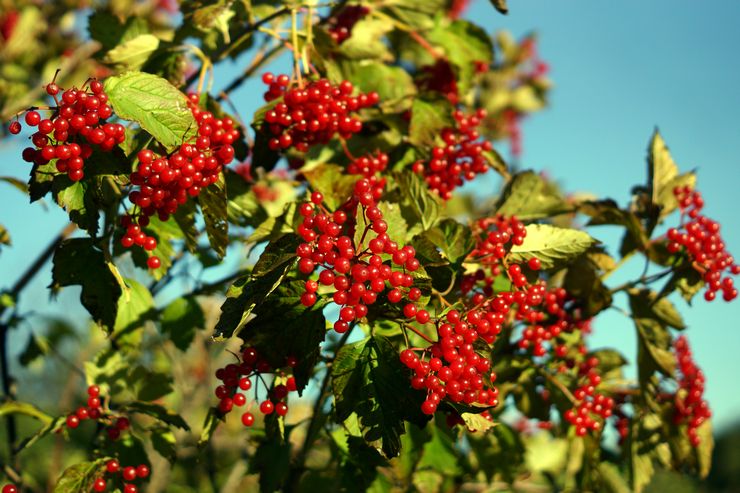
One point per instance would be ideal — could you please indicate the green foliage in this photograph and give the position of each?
(361, 425)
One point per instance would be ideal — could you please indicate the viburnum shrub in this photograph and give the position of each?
(372, 326)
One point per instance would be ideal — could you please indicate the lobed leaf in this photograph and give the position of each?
(552, 245)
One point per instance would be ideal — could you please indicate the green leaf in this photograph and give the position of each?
(656, 341)
(213, 203)
(392, 84)
(333, 182)
(4, 236)
(583, 281)
(454, 240)
(148, 385)
(366, 41)
(553, 246)
(464, 44)
(109, 32)
(132, 54)
(80, 477)
(74, 198)
(26, 409)
(501, 6)
(428, 118)
(135, 307)
(661, 168)
(475, 422)
(180, 319)
(272, 461)
(529, 196)
(78, 262)
(439, 454)
(611, 479)
(243, 296)
(155, 104)
(425, 204)
(647, 304)
(158, 412)
(368, 379)
(276, 254)
(210, 424)
(163, 441)
(705, 448)
(282, 327)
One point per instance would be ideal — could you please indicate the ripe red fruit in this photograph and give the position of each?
(142, 471)
(112, 466)
(10, 488)
(32, 118)
(129, 473)
(534, 263)
(247, 419)
(99, 484)
(153, 262)
(93, 391)
(14, 128)
(73, 421)
(267, 407)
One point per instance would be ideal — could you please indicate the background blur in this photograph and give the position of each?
(620, 69)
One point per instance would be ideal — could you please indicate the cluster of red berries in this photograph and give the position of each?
(341, 24)
(357, 271)
(455, 371)
(94, 411)
(690, 406)
(237, 379)
(371, 166)
(75, 122)
(166, 182)
(460, 158)
(439, 77)
(700, 238)
(591, 408)
(313, 114)
(128, 474)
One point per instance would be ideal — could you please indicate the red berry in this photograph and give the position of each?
(73, 421)
(142, 471)
(247, 419)
(112, 466)
(14, 127)
(266, 407)
(129, 473)
(153, 262)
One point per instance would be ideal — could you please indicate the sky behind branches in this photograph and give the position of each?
(620, 69)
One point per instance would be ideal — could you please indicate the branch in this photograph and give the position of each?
(224, 50)
(314, 425)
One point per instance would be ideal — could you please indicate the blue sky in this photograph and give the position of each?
(620, 69)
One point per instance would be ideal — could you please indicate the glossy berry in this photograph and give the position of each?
(10, 488)
(129, 473)
(112, 466)
(247, 419)
(100, 484)
(14, 128)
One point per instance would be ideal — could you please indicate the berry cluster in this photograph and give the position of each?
(700, 238)
(74, 123)
(371, 166)
(166, 182)
(341, 24)
(128, 475)
(95, 411)
(460, 158)
(591, 408)
(357, 271)
(691, 408)
(237, 378)
(313, 114)
(455, 371)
